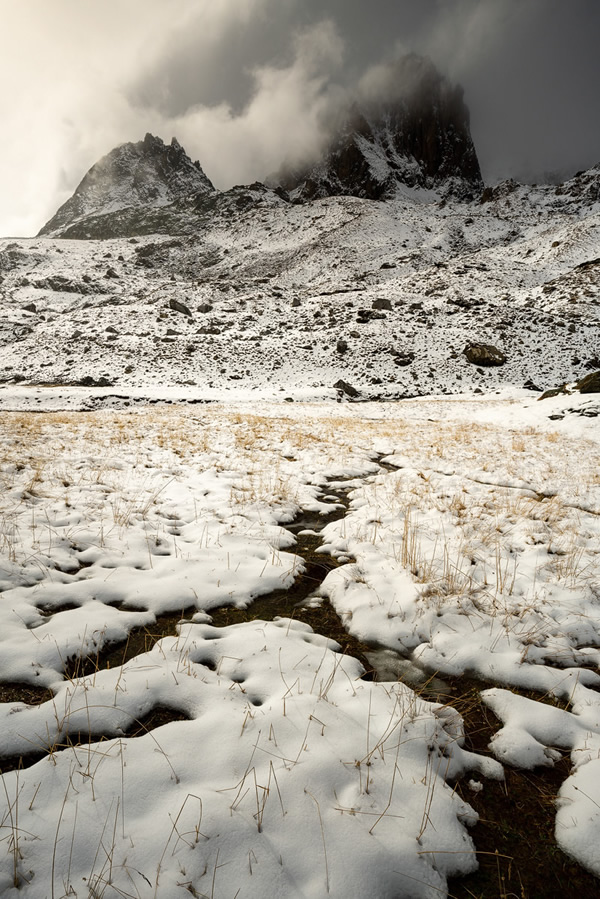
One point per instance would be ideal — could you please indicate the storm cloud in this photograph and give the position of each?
(245, 84)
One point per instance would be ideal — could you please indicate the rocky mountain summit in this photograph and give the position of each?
(411, 129)
(132, 177)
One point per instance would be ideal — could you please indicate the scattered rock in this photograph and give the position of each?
(342, 346)
(589, 384)
(364, 316)
(554, 391)
(346, 388)
(588, 412)
(381, 303)
(30, 307)
(484, 354)
(403, 359)
(61, 284)
(88, 381)
(204, 308)
(176, 306)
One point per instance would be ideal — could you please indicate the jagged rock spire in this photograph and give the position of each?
(411, 128)
(146, 173)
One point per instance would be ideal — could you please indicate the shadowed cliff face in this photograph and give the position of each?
(411, 128)
(148, 173)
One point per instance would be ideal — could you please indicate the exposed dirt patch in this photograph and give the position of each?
(30, 695)
(140, 640)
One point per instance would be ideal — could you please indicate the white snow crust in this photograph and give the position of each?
(470, 545)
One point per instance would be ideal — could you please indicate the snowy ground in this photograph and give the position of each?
(288, 299)
(472, 548)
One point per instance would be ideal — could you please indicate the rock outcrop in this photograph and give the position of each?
(413, 131)
(582, 189)
(147, 175)
(589, 384)
(484, 354)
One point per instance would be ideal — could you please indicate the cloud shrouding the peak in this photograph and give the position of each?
(285, 117)
(245, 86)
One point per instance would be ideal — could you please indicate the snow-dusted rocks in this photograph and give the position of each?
(589, 384)
(272, 286)
(400, 287)
(131, 179)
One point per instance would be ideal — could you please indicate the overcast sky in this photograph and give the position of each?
(244, 84)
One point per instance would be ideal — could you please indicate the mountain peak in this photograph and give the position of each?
(133, 175)
(410, 127)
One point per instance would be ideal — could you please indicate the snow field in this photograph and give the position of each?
(476, 551)
(293, 777)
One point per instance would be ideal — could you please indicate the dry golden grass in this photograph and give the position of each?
(55, 455)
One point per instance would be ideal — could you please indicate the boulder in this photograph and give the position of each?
(176, 306)
(403, 359)
(554, 391)
(484, 354)
(346, 388)
(589, 384)
(363, 316)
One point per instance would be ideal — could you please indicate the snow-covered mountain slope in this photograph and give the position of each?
(145, 176)
(288, 299)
